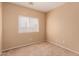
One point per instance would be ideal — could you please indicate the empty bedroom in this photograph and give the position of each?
(39, 28)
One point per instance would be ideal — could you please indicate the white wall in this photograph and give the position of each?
(63, 26)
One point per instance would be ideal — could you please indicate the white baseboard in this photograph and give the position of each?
(77, 52)
(43, 41)
(22, 45)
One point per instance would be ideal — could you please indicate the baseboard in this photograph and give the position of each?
(22, 45)
(40, 42)
(64, 47)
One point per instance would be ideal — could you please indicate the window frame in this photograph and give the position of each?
(28, 26)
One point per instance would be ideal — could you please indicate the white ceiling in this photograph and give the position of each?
(40, 6)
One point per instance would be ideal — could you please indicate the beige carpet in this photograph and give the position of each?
(40, 49)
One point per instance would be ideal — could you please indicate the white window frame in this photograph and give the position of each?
(25, 24)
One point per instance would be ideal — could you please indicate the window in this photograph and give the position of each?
(28, 24)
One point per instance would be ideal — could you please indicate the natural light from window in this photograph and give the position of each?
(28, 24)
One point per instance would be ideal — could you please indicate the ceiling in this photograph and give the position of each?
(40, 6)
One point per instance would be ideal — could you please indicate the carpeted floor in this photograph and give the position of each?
(40, 49)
